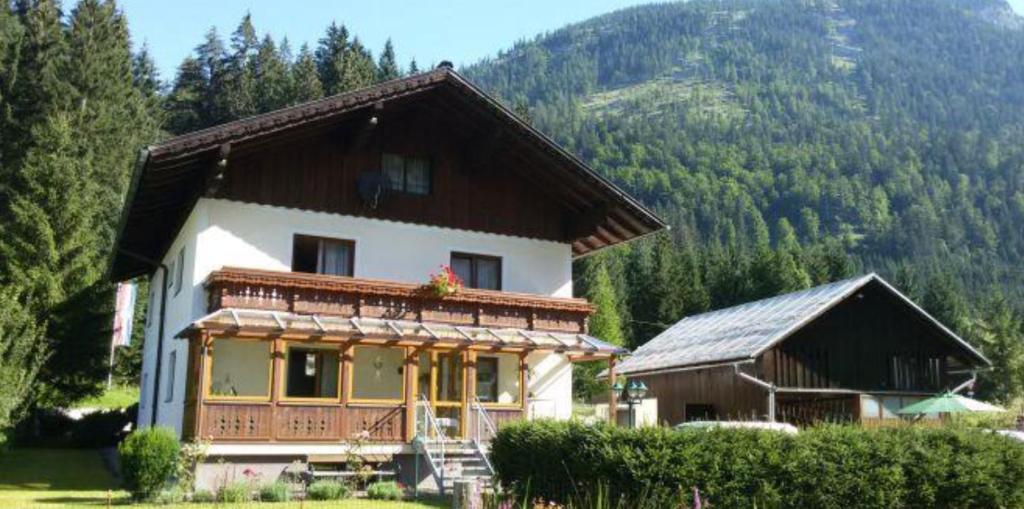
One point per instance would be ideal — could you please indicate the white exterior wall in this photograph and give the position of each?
(222, 233)
(260, 237)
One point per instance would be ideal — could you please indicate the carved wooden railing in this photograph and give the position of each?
(500, 417)
(348, 297)
(283, 422)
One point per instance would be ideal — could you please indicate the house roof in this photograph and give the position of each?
(171, 175)
(744, 332)
(276, 322)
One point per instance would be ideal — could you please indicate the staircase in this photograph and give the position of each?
(453, 460)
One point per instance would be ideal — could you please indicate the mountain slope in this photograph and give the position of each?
(894, 125)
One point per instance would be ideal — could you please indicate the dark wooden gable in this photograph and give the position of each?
(476, 184)
(871, 341)
(495, 173)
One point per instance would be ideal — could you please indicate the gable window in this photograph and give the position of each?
(169, 276)
(311, 372)
(179, 271)
(320, 255)
(478, 271)
(406, 174)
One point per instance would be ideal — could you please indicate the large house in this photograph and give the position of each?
(288, 254)
(851, 351)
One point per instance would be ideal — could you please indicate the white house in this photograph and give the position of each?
(289, 255)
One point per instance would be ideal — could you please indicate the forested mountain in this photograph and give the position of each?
(788, 142)
(891, 130)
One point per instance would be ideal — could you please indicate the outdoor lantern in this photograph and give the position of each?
(635, 390)
(617, 386)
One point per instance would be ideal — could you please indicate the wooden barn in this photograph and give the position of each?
(853, 350)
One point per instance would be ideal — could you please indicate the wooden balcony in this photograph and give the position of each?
(371, 298)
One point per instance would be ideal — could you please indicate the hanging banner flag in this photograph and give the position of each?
(124, 313)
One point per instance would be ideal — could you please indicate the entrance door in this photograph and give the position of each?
(442, 381)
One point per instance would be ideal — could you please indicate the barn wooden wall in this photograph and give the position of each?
(870, 342)
(731, 397)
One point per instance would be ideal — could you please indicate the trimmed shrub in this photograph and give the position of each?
(203, 497)
(173, 495)
(148, 460)
(384, 490)
(326, 490)
(824, 467)
(276, 492)
(235, 492)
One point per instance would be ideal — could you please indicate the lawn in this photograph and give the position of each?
(58, 478)
(118, 396)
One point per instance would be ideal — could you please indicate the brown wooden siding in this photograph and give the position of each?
(321, 173)
(730, 397)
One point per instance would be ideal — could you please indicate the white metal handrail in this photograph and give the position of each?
(483, 417)
(430, 424)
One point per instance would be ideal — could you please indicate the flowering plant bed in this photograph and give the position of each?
(445, 282)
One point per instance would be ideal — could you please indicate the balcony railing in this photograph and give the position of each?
(356, 297)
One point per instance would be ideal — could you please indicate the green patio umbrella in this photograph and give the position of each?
(948, 403)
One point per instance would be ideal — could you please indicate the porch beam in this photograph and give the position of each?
(276, 372)
(613, 402)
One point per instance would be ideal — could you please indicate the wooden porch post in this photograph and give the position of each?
(202, 344)
(277, 371)
(411, 367)
(524, 381)
(469, 395)
(345, 373)
(613, 402)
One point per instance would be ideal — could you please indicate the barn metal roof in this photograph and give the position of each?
(743, 332)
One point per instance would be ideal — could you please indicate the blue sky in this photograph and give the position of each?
(462, 31)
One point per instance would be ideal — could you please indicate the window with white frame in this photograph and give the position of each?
(179, 276)
(172, 365)
(322, 255)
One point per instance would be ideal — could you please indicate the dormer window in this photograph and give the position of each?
(322, 255)
(406, 174)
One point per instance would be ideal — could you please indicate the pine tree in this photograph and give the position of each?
(305, 81)
(270, 72)
(22, 353)
(330, 58)
(186, 107)
(38, 87)
(239, 75)
(999, 332)
(413, 68)
(212, 102)
(387, 68)
(605, 323)
(359, 71)
(10, 41)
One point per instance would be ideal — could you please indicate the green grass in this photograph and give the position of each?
(115, 397)
(64, 478)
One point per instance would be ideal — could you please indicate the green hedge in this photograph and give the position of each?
(826, 467)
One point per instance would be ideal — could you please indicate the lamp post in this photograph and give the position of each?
(633, 393)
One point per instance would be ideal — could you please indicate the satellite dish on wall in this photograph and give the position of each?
(372, 187)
